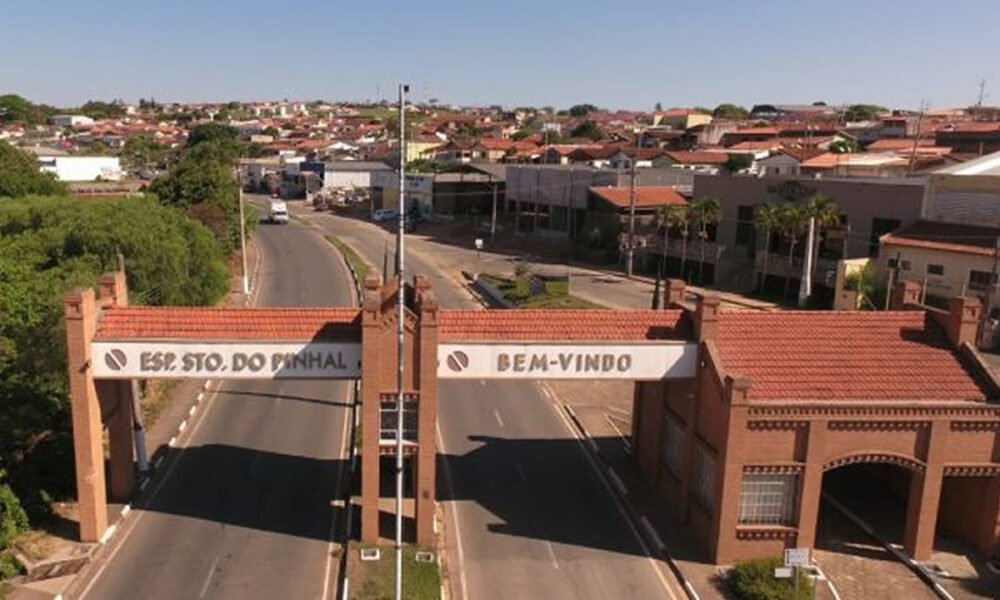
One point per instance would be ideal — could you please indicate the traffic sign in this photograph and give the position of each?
(783, 573)
(796, 557)
(479, 243)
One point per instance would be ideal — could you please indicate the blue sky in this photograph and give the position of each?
(558, 52)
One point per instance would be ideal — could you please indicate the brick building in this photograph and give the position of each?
(740, 452)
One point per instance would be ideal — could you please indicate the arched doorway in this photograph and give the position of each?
(865, 498)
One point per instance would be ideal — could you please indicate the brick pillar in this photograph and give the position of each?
(80, 310)
(372, 353)
(706, 318)
(729, 472)
(426, 371)
(647, 424)
(812, 485)
(988, 541)
(963, 319)
(117, 403)
(673, 293)
(904, 294)
(925, 495)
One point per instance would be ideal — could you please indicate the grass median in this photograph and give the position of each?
(374, 580)
(358, 264)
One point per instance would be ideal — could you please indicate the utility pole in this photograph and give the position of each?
(400, 331)
(631, 210)
(243, 235)
(493, 217)
(916, 139)
(982, 93)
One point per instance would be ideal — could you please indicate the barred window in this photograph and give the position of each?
(672, 447)
(704, 478)
(388, 418)
(769, 499)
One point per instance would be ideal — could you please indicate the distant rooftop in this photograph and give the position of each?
(984, 165)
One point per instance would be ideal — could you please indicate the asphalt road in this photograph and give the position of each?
(526, 514)
(242, 507)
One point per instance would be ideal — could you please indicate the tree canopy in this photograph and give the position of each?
(20, 175)
(16, 109)
(581, 110)
(863, 112)
(730, 111)
(588, 129)
(47, 246)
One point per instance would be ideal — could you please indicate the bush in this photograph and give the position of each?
(755, 580)
(13, 521)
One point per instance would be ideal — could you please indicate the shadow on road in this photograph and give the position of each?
(243, 487)
(538, 488)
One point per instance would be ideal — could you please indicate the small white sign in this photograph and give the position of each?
(255, 360)
(796, 557)
(783, 572)
(479, 243)
(644, 362)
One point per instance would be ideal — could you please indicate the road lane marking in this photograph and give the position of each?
(454, 514)
(552, 555)
(496, 414)
(617, 501)
(157, 488)
(333, 513)
(208, 578)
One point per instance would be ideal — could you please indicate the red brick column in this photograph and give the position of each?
(812, 485)
(426, 371)
(80, 310)
(729, 473)
(372, 353)
(925, 496)
(116, 401)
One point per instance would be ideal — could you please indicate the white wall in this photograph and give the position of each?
(82, 168)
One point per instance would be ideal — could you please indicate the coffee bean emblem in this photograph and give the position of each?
(457, 361)
(115, 359)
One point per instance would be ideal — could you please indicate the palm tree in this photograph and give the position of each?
(670, 216)
(705, 212)
(685, 227)
(792, 222)
(766, 217)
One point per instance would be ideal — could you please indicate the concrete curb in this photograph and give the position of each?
(643, 524)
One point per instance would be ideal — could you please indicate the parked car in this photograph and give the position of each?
(385, 214)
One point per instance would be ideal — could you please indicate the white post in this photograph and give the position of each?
(243, 236)
(805, 285)
(400, 330)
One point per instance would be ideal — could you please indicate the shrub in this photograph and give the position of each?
(13, 521)
(755, 580)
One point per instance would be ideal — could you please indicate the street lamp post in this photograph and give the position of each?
(243, 235)
(400, 330)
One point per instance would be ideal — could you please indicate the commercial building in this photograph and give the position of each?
(82, 168)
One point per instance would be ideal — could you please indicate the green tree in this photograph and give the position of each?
(204, 184)
(843, 146)
(588, 129)
(272, 131)
(523, 133)
(581, 110)
(792, 222)
(96, 109)
(823, 211)
(730, 111)
(140, 152)
(13, 520)
(20, 175)
(211, 132)
(16, 109)
(768, 218)
(704, 214)
(737, 162)
(864, 112)
(668, 217)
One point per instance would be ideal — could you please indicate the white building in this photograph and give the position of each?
(82, 168)
(70, 120)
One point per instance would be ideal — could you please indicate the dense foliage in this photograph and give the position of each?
(20, 176)
(755, 580)
(588, 129)
(47, 246)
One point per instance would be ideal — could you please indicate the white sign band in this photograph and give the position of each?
(649, 362)
(166, 360)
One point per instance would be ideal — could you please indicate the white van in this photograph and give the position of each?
(278, 212)
(385, 214)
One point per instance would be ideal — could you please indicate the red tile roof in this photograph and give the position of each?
(698, 158)
(570, 324)
(645, 196)
(219, 324)
(948, 237)
(844, 356)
